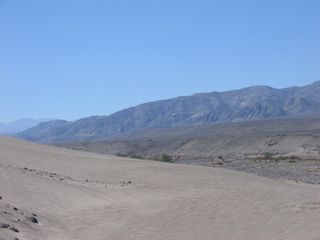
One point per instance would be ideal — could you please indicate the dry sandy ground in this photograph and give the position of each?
(79, 195)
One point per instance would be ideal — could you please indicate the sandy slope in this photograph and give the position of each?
(78, 195)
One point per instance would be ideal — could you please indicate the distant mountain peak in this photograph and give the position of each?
(19, 125)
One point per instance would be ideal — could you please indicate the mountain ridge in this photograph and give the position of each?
(251, 103)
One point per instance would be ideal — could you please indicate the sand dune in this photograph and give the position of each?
(79, 195)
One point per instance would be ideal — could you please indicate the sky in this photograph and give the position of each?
(70, 59)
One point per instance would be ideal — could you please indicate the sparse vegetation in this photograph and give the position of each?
(292, 159)
(163, 158)
(121, 155)
(270, 156)
(130, 155)
(267, 155)
(136, 156)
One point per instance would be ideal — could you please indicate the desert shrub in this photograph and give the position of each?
(121, 155)
(259, 158)
(292, 159)
(267, 155)
(136, 156)
(129, 155)
(163, 158)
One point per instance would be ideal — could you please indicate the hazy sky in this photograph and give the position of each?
(74, 58)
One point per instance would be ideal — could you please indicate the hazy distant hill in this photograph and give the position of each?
(19, 125)
(253, 103)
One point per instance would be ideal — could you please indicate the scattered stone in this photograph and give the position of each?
(32, 219)
(0, 197)
(14, 229)
(16, 209)
(4, 225)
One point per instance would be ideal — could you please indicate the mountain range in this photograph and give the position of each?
(17, 126)
(252, 103)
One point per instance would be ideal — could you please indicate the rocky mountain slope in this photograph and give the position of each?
(253, 103)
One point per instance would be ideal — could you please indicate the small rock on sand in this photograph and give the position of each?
(14, 229)
(4, 225)
(32, 219)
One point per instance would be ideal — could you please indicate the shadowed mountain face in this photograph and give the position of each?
(253, 103)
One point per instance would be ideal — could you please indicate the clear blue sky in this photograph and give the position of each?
(74, 58)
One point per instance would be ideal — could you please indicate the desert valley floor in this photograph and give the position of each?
(58, 194)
